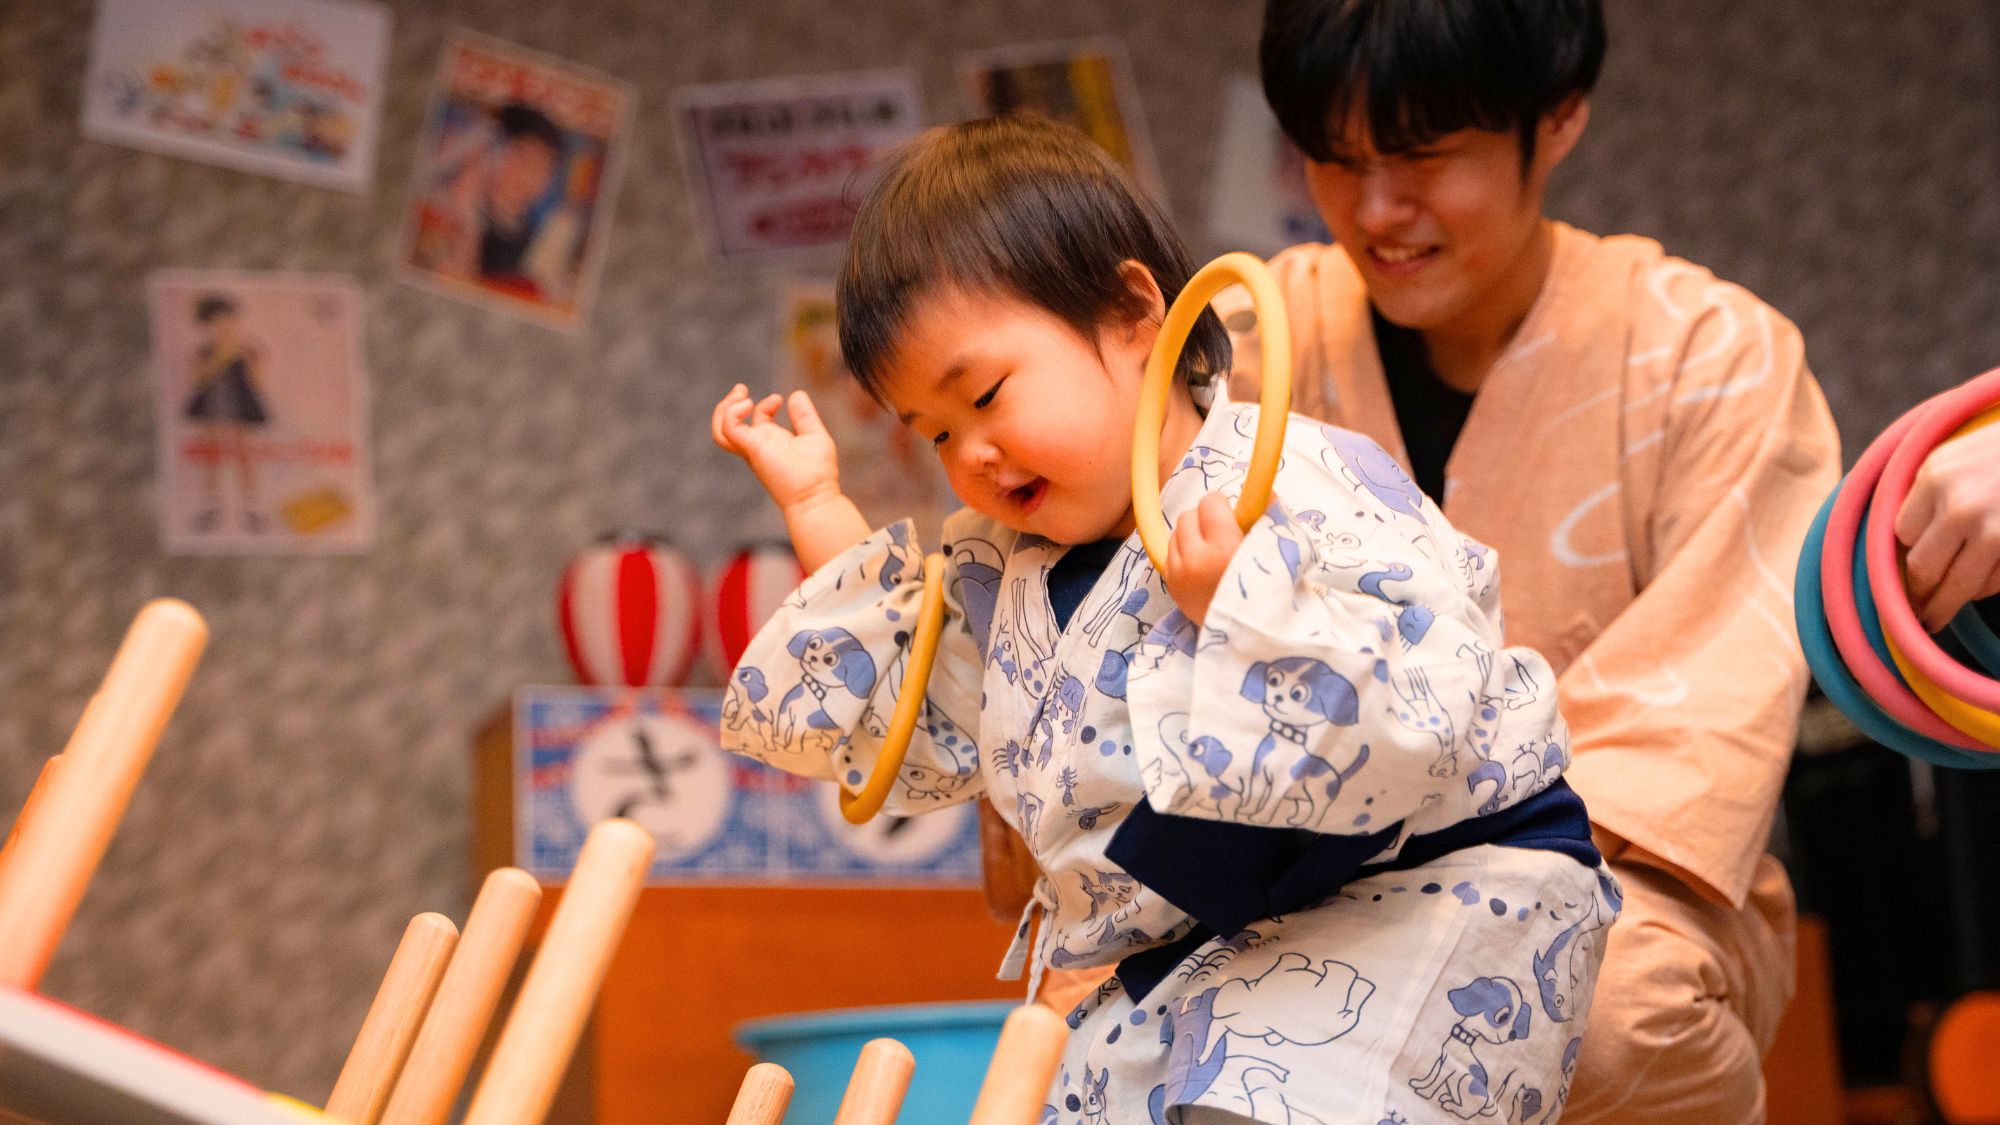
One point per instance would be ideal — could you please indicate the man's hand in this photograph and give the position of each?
(1203, 542)
(1951, 524)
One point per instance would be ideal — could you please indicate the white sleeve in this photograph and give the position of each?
(815, 689)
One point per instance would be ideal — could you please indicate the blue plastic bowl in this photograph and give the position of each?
(952, 1044)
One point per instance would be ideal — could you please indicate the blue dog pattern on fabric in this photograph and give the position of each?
(741, 704)
(1297, 693)
(830, 661)
(1491, 1010)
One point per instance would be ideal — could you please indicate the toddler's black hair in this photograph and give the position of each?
(1009, 206)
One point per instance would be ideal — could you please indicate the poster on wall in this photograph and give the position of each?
(1086, 83)
(286, 88)
(776, 164)
(886, 469)
(515, 178)
(261, 406)
(654, 756)
(1257, 198)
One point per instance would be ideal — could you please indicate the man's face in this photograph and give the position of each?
(521, 174)
(1438, 229)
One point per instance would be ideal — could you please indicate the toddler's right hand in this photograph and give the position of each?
(796, 466)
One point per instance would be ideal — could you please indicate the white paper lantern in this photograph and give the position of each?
(630, 610)
(748, 590)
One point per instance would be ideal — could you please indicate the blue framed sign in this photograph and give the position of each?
(582, 754)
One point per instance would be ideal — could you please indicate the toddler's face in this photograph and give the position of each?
(1033, 423)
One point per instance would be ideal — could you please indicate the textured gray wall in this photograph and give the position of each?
(1837, 157)
(1840, 159)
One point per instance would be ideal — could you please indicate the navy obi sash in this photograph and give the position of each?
(1226, 876)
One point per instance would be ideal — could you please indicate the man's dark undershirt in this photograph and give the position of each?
(1430, 412)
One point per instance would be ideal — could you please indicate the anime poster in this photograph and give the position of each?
(776, 166)
(287, 88)
(261, 406)
(886, 469)
(654, 756)
(1086, 83)
(516, 174)
(1257, 198)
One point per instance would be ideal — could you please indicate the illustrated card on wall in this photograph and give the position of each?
(515, 178)
(776, 164)
(583, 754)
(261, 407)
(287, 88)
(886, 469)
(1086, 83)
(1257, 198)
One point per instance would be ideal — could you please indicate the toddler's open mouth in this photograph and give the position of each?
(1028, 496)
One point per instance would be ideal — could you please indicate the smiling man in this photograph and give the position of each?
(1641, 442)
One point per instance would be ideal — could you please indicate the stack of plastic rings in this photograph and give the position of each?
(1862, 639)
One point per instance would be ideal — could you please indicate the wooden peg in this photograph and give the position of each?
(56, 855)
(470, 991)
(881, 1078)
(390, 1027)
(1023, 1066)
(766, 1091)
(35, 796)
(562, 982)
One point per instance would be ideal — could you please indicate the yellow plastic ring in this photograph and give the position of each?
(1974, 722)
(1276, 399)
(860, 807)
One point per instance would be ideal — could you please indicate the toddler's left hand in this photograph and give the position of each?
(1203, 542)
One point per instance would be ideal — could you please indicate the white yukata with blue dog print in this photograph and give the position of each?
(1350, 680)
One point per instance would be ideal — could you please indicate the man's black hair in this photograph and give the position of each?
(518, 120)
(1017, 207)
(1422, 68)
(212, 305)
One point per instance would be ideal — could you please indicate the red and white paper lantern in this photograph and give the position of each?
(747, 592)
(631, 614)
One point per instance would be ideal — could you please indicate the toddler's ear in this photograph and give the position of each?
(1148, 305)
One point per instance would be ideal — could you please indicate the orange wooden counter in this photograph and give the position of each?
(698, 960)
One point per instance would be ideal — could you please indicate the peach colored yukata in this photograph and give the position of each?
(1645, 457)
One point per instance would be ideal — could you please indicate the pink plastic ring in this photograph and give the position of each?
(1836, 576)
(1899, 620)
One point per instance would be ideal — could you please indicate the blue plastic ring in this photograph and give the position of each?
(1978, 637)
